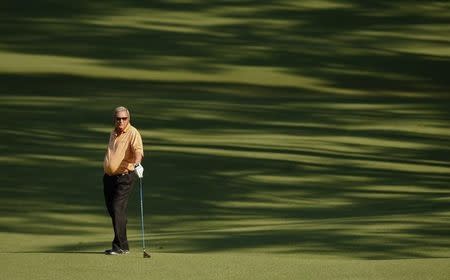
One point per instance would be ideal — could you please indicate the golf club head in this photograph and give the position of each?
(146, 255)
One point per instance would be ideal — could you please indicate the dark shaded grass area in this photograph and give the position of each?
(52, 150)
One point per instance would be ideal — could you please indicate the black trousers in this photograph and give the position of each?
(117, 190)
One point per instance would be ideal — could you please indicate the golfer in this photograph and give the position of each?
(123, 158)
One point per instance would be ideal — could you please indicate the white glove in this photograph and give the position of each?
(139, 170)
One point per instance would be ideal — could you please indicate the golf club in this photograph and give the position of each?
(146, 255)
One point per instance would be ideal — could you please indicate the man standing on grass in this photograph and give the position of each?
(123, 158)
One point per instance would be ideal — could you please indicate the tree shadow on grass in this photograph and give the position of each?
(353, 163)
(214, 182)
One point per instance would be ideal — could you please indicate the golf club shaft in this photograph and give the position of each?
(142, 213)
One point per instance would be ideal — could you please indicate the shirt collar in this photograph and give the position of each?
(124, 131)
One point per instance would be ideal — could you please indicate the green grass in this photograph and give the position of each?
(213, 266)
(282, 138)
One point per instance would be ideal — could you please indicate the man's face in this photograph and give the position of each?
(122, 120)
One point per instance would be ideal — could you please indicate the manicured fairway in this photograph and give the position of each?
(283, 139)
(212, 266)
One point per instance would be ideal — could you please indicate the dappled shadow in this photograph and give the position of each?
(289, 128)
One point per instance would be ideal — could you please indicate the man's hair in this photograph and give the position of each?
(120, 109)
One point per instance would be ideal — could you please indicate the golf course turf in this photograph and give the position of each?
(283, 139)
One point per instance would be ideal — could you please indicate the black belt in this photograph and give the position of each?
(119, 175)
